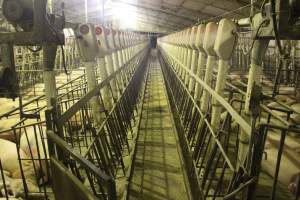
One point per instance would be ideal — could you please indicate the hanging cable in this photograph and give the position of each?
(59, 40)
(280, 49)
(254, 38)
(274, 20)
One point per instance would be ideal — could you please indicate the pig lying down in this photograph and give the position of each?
(14, 188)
(12, 173)
(35, 147)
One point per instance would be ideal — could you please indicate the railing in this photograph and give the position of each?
(289, 73)
(29, 131)
(211, 168)
(38, 103)
(212, 160)
(29, 64)
(101, 147)
(102, 185)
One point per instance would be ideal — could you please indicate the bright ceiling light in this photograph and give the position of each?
(125, 14)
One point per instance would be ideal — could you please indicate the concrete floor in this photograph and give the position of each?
(157, 171)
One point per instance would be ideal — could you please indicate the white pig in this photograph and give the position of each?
(35, 146)
(15, 188)
(10, 165)
(9, 157)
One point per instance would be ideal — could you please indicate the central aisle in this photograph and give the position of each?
(157, 171)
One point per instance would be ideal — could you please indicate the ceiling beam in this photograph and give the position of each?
(166, 18)
(153, 21)
(168, 29)
(159, 10)
(174, 23)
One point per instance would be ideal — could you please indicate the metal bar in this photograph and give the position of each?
(85, 163)
(72, 110)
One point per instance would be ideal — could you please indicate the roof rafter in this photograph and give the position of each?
(153, 20)
(189, 18)
(167, 20)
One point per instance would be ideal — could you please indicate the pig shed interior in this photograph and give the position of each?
(150, 99)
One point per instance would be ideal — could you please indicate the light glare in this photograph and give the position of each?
(125, 14)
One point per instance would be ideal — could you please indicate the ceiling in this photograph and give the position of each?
(156, 15)
(152, 15)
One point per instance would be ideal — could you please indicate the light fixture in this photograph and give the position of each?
(124, 14)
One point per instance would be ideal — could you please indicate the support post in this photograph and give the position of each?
(49, 54)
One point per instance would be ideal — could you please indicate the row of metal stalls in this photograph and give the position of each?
(86, 122)
(237, 103)
(29, 62)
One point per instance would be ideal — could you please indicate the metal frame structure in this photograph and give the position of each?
(83, 139)
(103, 146)
(215, 169)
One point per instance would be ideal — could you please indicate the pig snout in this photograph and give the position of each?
(14, 188)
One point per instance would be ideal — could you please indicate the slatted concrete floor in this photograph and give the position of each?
(157, 171)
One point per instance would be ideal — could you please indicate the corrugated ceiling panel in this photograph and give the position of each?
(184, 12)
(173, 2)
(229, 5)
(194, 5)
(213, 10)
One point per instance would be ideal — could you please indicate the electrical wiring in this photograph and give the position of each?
(280, 49)
(274, 21)
(254, 38)
(235, 41)
(61, 46)
(262, 6)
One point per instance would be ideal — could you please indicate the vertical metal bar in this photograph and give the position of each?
(86, 11)
(280, 151)
(3, 181)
